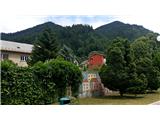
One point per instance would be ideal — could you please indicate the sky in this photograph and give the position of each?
(18, 15)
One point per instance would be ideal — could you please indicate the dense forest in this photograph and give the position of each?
(82, 39)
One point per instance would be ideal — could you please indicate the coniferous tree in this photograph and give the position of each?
(45, 48)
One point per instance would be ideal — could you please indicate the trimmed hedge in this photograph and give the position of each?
(18, 85)
(43, 83)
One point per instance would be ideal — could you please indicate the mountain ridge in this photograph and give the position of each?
(118, 28)
(82, 39)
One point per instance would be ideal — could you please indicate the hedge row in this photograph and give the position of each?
(43, 83)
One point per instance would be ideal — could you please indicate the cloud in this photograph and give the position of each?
(150, 22)
(17, 15)
(69, 20)
(16, 23)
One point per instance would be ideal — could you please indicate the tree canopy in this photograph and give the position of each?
(45, 48)
(120, 72)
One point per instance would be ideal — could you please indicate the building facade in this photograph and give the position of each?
(16, 52)
(95, 60)
(91, 85)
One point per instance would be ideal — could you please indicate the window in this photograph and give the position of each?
(4, 56)
(83, 87)
(24, 58)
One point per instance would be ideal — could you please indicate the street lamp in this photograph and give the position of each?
(158, 38)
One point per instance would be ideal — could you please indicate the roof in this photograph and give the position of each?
(96, 53)
(15, 46)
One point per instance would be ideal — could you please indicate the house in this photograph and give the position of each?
(91, 83)
(95, 60)
(16, 52)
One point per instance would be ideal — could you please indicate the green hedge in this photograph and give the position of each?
(43, 83)
(18, 85)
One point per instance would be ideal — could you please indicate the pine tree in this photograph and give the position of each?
(45, 48)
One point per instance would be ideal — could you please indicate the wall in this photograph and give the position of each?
(16, 57)
(95, 61)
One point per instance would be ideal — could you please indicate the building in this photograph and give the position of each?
(16, 52)
(91, 85)
(95, 60)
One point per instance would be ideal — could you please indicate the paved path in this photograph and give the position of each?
(155, 103)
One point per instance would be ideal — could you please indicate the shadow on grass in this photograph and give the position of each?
(121, 97)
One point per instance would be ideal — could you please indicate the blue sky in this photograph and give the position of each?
(93, 20)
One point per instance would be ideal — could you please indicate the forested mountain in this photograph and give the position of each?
(31, 34)
(82, 39)
(117, 28)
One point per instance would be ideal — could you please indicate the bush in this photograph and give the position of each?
(18, 85)
(43, 83)
(7, 72)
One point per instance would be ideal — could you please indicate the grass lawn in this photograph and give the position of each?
(115, 99)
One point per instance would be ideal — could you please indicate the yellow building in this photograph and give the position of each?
(17, 52)
(91, 75)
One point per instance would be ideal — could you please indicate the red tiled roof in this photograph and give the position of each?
(95, 53)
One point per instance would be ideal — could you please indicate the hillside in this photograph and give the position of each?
(29, 35)
(82, 39)
(117, 28)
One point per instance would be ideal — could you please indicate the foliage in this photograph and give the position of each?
(65, 74)
(7, 71)
(156, 59)
(82, 39)
(74, 101)
(45, 48)
(45, 82)
(18, 86)
(42, 83)
(67, 54)
(120, 72)
(31, 34)
(146, 59)
(119, 29)
(137, 85)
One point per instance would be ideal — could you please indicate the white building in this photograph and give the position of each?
(17, 52)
